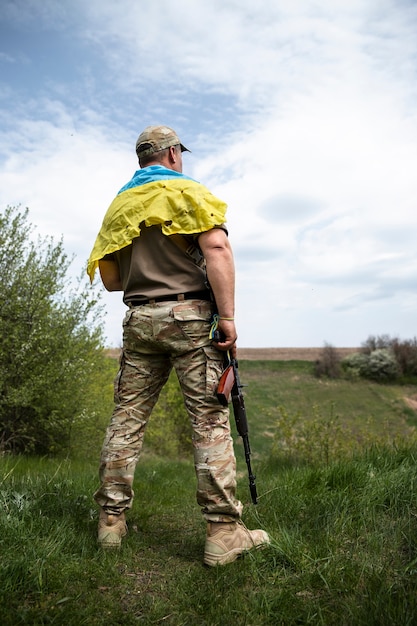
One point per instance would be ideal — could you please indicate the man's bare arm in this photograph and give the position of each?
(110, 276)
(217, 251)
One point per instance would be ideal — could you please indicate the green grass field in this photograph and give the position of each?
(336, 472)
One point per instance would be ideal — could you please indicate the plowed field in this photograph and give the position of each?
(272, 354)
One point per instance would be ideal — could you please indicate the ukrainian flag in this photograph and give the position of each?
(156, 195)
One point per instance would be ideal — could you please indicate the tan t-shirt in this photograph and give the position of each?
(154, 266)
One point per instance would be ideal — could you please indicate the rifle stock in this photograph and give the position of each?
(225, 386)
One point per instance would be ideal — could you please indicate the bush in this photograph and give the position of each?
(328, 364)
(403, 351)
(406, 355)
(50, 353)
(96, 407)
(355, 365)
(382, 365)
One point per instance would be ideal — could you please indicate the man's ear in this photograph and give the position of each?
(172, 152)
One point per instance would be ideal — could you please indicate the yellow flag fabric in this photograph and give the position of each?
(180, 205)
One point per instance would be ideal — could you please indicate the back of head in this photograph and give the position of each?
(154, 139)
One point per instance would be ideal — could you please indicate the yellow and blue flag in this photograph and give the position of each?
(156, 195)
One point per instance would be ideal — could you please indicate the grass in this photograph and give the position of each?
(343, 528)
(366, 408)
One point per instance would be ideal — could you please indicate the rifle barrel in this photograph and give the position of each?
(242, 428)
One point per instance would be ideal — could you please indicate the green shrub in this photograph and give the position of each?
(382, 365)
(355, 365)
(379, 365)
(328, 364)
(51, 342)
(89, 424)
(404, 352)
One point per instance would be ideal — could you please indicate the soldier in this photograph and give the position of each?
(163, 243)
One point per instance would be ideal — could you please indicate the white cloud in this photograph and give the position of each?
(300, 115)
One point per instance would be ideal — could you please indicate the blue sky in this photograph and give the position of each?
(300, 115)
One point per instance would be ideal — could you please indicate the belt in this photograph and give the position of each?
(179, 297)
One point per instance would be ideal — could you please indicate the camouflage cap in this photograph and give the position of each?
(156, 138)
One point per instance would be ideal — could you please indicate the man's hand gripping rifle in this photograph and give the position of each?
(230, 387)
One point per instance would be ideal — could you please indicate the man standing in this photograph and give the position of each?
(163, 243)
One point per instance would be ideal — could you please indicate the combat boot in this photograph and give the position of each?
(225, 542)
(111, 529)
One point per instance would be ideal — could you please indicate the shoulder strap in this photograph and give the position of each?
(189, 248)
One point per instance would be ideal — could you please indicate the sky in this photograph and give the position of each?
(301, 115)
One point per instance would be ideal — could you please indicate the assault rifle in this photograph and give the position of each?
(230, 387)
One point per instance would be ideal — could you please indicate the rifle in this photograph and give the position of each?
(230, 387)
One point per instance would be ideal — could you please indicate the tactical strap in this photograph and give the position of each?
(190, 249)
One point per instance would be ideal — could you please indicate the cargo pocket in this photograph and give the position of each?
(214, 369)
(193, 321)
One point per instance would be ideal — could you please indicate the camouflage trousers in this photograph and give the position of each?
(156, 338)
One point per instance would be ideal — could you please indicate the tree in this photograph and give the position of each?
(50, 350)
